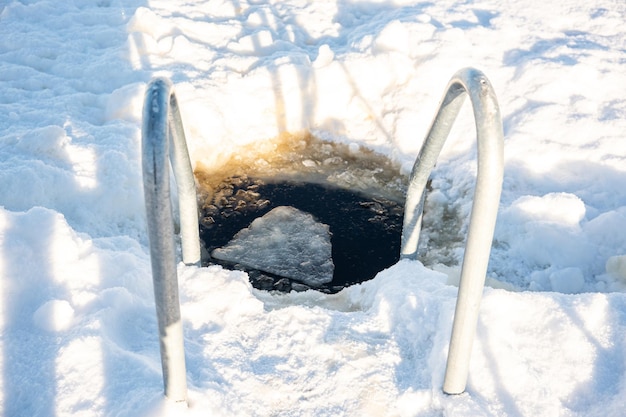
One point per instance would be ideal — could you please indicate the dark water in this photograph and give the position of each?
(366, 231)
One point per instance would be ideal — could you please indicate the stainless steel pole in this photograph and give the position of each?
(161, 125)
(473, 83)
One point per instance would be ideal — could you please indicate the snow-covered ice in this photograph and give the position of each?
(78, 332)
(286, 242)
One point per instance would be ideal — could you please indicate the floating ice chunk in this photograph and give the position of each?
(285, 242)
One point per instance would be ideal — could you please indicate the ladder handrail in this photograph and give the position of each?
(162, 126)
(474, 83)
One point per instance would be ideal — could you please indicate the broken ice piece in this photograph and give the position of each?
(286, 242)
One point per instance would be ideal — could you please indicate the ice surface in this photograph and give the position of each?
(286, 242)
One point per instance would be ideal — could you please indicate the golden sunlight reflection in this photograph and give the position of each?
(303, 156)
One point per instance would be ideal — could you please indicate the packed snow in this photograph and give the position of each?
(78, 327)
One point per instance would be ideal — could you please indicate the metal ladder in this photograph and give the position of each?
(473, 83)
(162, 127)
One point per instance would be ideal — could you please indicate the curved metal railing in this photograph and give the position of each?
(473, 83)
(162, 126)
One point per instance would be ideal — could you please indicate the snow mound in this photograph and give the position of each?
(54, 316)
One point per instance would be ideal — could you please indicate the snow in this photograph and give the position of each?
(54, 316)
(616, 267)
(287, 242)
(78, 333)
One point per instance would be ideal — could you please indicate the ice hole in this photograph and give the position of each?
(270, 209)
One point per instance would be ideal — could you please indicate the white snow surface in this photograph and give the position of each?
(78, 332)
